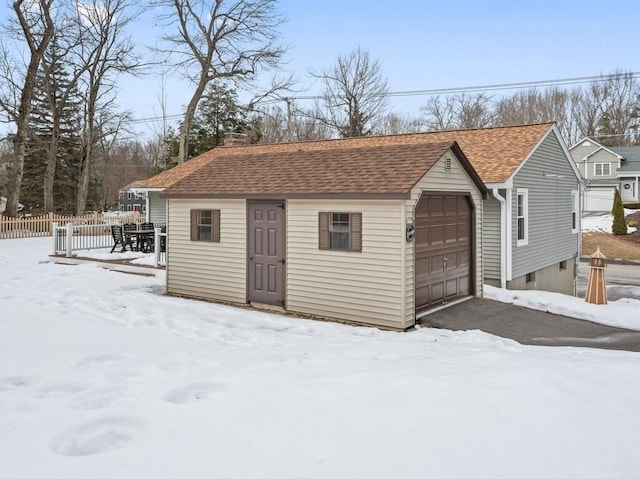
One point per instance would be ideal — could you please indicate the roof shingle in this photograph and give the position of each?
(389, 170)
(495, 153)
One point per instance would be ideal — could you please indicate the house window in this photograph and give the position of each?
(563, 265)
(522, 216)
(602, 169)
(340, 231)
(129, 195)
(129, 207)
(575, 211)
(205, 225)
(121, 208)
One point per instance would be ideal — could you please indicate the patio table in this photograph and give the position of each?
(140, 236)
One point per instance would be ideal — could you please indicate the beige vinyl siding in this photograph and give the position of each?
(550, 206)
(203, 269)
(491, 238)
(438, 179)
(353, 286)
(157, 208)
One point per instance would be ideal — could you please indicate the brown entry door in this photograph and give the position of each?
(266, 255)
(443, 249)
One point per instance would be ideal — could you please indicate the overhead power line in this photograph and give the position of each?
(447, 90)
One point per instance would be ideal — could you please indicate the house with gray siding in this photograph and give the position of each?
(530, 221)
(605, 169)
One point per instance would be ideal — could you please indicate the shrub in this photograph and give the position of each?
(619, 225)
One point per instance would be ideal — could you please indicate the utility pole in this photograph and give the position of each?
(289, 125)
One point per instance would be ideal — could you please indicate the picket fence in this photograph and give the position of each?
(37, 226)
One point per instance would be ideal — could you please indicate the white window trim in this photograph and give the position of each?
(602, 165)
(525, 193)
(575, 210)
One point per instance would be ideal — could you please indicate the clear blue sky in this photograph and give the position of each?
(428, 45)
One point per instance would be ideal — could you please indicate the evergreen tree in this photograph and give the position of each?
(619, 224)
(218, 113)
(54, 136)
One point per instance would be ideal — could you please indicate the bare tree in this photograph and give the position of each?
(617, 123)
(296, 124)
(220, 39)
(59, 94)
(105, 51)
(395, 124)
(537, 106)
(458, 112)
(36, 27)
(355, 93)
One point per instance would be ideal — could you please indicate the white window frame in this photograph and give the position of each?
(575, 212)
(524, 192)
(129, 195)
(602, 168)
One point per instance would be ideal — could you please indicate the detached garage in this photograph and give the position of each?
(372, 235)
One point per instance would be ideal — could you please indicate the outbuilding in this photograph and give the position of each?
(374, 235)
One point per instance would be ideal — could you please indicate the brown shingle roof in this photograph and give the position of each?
(495, 153)
(389, 170)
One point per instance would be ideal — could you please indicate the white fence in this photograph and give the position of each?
(71, 238)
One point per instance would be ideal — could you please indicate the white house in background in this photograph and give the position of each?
(605, 168)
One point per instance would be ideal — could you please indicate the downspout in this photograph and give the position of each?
(503, 237)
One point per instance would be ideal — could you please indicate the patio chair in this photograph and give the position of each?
(163, 240)
(131, 239)
(119, 239)
(146, 226)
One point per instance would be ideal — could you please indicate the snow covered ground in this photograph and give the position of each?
(603, 223)
(101, 376)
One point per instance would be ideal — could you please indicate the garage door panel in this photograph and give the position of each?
(443, 249)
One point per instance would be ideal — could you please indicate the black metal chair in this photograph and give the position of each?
(131, 239)
(119, 239)
(146, 226)
(163, 240)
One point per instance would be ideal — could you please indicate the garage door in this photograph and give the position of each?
(443, 249)
(599, 199)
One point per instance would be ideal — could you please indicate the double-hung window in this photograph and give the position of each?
(522, 216)
(340, 231)
(602, 169)
(205, 225)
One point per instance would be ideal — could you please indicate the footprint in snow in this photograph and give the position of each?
(192, 392)
(98, 436)
(63, 389)
(99, 398)
(15, 382)
(100, 360)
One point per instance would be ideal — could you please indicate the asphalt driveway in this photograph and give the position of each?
(528, 326)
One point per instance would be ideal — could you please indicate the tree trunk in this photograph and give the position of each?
(183, 147)
(50, 172)
(26, 95)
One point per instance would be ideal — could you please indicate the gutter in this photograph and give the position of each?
(503, 238)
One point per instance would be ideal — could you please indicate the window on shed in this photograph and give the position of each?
(522, 215)
(340, 231)
(205, 225)
(602, 169)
